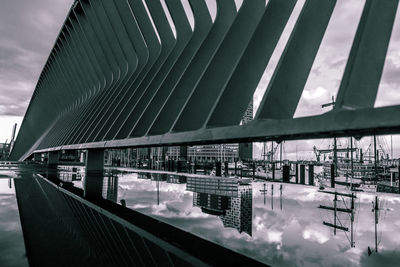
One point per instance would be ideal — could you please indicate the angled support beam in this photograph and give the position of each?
(195, 112)
(202, 26)
(287, 83)
(239, 91)
(183, 35)
(363, 72)
(226, 13)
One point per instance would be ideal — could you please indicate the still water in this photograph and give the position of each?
(278, 224)
(12, 249)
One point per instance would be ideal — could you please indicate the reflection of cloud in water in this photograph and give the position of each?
(12, 249)
(5, 188)
(293, 236)
(274, 236)
(315, 235)
(384, 258)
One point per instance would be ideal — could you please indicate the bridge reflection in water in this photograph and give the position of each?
(151, 219)
(72, 219)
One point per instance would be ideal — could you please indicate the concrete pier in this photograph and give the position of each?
(286, 173)
(302, 174)
(53, 158)
(311, 174)
(218, 168)
(94, 161)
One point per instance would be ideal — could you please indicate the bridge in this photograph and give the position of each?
(119, 76)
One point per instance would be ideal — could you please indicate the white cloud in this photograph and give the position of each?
(315, 235)
(310, 94)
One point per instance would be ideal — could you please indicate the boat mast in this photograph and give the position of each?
(334, 213)
(281, 188)
(264, 152)
(336, 209)
(334, 139)
(272, 152)
(351, 161)
(272, 155)
(352, 220)
(391, 147)
(272, 196)
(264, 192)
(335, 155)
(376, 211)
(375, 159)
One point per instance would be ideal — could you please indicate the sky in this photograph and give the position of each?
(28, 30)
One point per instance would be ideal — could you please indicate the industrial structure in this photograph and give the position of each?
(6, 147)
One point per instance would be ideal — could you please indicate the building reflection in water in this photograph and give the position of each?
(70, 174)
(228, 198)
(162, 177)
(110, 187)
(94, 185)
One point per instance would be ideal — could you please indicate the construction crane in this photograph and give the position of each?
(317, 154)
(269, 155)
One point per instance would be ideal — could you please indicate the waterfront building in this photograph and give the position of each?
(202, 153)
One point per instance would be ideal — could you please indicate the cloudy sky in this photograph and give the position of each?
(28, 30)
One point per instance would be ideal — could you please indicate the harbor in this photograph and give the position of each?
(199, 133)
(266, 221)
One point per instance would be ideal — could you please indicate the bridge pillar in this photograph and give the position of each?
(311, 174)
(297, 173)
(226, 169)
(333, 175)
(286, 173)
(52, 160)
(302, 174)
(179, 166)
(94, 161)
(218, 168)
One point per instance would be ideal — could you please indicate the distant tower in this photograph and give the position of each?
(246, 149)
(248, 115)
(13, 136)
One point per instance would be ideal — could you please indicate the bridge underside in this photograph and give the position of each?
(342, 123)
(120, 76)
